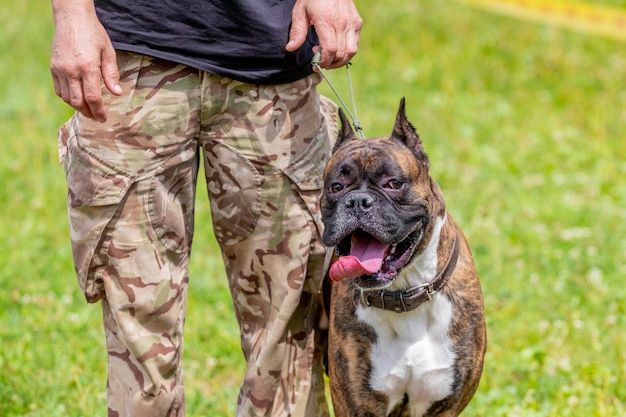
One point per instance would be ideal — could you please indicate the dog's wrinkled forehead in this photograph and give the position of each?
(376, 156)
(403, 146)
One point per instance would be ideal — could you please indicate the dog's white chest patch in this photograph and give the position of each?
(414, 355)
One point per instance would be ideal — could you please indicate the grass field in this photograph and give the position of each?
(525, 127)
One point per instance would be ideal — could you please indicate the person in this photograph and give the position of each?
(156, 86)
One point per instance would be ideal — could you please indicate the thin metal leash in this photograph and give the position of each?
(315, 62)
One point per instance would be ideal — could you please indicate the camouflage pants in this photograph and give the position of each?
(131, 198)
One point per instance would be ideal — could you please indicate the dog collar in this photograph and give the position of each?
(408, 300)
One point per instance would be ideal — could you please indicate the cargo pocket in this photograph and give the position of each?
(234, 188)
(171, 205)
(306, 172)
(306, 169)
(95, 190)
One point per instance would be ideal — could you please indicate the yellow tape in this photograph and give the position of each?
(599, 20)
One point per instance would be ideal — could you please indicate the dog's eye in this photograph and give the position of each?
(335, 188)
(394, 185)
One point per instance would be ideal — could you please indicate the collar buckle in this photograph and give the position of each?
(430, 291)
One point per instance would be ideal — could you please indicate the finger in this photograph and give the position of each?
(299, 29)
(340, 55)
(64, 90)
(57, 85)
(349, 51)
(328, 41)
(92, 96)
(352, 44)
(76, 97)
(110, 72)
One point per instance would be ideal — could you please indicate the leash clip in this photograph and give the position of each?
(317, 58)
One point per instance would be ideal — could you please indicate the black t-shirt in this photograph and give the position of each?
(240, 39)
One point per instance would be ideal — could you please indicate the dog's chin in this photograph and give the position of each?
(373, 282)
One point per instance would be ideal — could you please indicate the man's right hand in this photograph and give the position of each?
(82, 58)
(338, 26)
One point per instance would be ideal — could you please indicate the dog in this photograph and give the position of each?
(407, 332)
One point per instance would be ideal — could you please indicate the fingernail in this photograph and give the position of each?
(117, 89)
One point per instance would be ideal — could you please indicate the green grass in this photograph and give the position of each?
(524, 125)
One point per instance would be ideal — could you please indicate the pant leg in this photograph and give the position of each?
(265, 150)
(131, 192)
(144, 309)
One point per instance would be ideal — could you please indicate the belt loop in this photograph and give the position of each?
(402, 304)
(364, 298)
(430, 291)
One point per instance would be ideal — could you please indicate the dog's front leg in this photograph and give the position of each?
(349, 352)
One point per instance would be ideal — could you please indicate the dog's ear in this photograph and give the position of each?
(404, 131)
(346, 134)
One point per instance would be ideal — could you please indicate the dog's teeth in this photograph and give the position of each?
(391, 253)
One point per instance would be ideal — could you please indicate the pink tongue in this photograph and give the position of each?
(366, 257)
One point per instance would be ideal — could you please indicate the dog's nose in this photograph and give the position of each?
(359, 203)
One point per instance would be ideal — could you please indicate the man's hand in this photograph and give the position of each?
(82, 58)
(338, 26)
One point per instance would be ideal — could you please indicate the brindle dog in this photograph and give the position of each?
(407, 330)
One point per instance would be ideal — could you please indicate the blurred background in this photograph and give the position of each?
(521, 106)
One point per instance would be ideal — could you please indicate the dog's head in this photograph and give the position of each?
(378, 204)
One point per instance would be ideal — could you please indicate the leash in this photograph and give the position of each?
(315, 62)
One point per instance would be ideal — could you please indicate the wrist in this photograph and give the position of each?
(62, 10)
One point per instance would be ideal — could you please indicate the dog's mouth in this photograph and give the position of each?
(374, 263)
